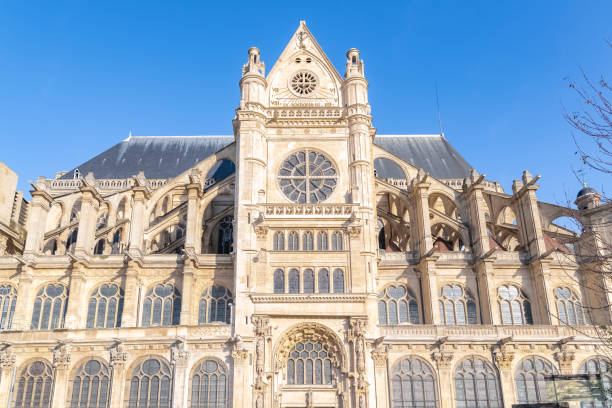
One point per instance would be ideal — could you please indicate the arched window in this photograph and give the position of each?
(279, 281)
(601, 366)
(309, 285)
(530, 383)
(151, 385)
(294, 281)
(279, 241)
(337, 241)
(381, 235)
(323, 281)
(307, 241)
(457, 305)
(215, 305)
(309, 363)
(76, 209)
(322, 241)
(293, 241)
(99, 249)
(397, 305)
(209, 385)
(35, 386)
(50, 247)
(162, 306)
(413, 384)
(226, 235)
(71, 241)
(476, 384)
(514, 306)
(8, 299)
(121, 210)
(91, 385)
(338, 281)
(116, 248)
(569, 307)
(105, 307)
(50, 307)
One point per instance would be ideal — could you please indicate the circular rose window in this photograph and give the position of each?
(307, 177)
(303, 83)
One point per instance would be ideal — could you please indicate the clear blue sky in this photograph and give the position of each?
(76, 76)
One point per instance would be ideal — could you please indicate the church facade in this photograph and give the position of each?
(304, 261)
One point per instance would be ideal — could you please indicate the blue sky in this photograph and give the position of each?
(76, 76)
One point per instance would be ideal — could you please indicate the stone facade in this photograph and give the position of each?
(304, 279)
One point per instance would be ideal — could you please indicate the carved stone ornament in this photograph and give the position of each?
(7, 359)
(302, 40)
(442, 358)
(240, 355)
(380, 358)
(503, 358)
(565, 358)
(178, 352)
(118, 355)
(354, 230)
(261, 231)
(62, 355)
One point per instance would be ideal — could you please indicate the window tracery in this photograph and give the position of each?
(337, 241)
(162, 306)
(91, 386)
(209, 385)
(530, 382)
(215, 305)
(397, 304)
(309, 363)
(105, 307)
(225, 243)
(323, 280)
(307, 177)
(457, 305)
(413, 384)
(49, 307)
(338, 280)
(514, 305)
(476, 384)
(151, 385)
(35, 386)
(569, 307)
(293, 243)
(8, 300)
(599, 366)
(308, 241)
(322, 241)
(279, 241)
(307, 281)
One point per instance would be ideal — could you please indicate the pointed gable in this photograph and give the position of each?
(303, 75)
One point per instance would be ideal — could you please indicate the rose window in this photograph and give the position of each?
(303, 83)
(307, 177)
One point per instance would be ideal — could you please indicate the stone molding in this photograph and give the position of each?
(309, 298)
(315, 210)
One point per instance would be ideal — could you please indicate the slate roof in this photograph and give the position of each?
(163, 157)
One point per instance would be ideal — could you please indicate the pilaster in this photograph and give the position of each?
(503, 356)
(444, 360)
(132, 296)
(7, 365)
(486, 287)
(429, 289)
(473, 188)
(90, 203)
(380, 358)
(25, 300)
(241, 377)
(187, 317)
(420, 197)
(136, 245)
(179, 358)
(61, 361)
(118, 361)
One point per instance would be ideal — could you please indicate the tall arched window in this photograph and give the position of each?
(337, 244)
(116, 247)
(215, 305)
(91, 386)
(279, 281)
(322, 241)
(35, 386)
(476, 384)
(293, 241)
(50, 247)
(323, 281)
(413, 384)
(8, 299)
(308, 241)
(71, 241)
(397, 305)
(50, 307)
(514, 306)
(294, 281)
(457, 305)
(151, 385)
(226, 235)
(209, 385)
(99, 248)
(309, 285)
(530, 383)
(601, 366)
(162, 306)
(309, 363)
(338, 281)
(569, 307)
(105, 307)
(279, 241)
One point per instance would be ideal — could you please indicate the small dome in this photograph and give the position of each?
(585, 191)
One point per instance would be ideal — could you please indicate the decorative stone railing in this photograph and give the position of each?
(305, 112)
(315, 210)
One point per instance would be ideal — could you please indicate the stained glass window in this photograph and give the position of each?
(279, 281)
(322, 241)
(476, 384)
(323, 280)
(309, 363)
(308, 241)
(601, 366)
(162, 306)
(397, 304)
(337, 244)
(338, 281)
(413, 384)
(307, 177)
(569, 307)
(105, 307)
(457, 305)
(530, 383)
(293, 242)
(514, 306)
(279, 241)
(50, 307)
(215, 305)
(151, 385)
(8, 300)
(209, 386)
(91, 386)
(35, 386)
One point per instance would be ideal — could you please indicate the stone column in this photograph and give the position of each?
(132, 296)
(7, 364)
(77, 300)
(422, 229)
(194, 190)
(187, 317)
(37, 221)
(486, 292)
(90, 203)
(25, 300)
(443, 361)
(118, 360)
(179, 357)
(136, 242)
(503, 357)
(61, 362)
(473, 189)
(380, 358)
(241, 383)
(429, 290)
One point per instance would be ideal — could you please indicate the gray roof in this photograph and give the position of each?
(162, 157)
(432, 153)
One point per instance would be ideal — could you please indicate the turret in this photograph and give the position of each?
(355, 86)
(253, 82)
(587, 198)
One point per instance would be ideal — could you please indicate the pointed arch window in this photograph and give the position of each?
(530, 380)
(322, 241)
(279, 281)
(8, 300)
(35, 386)
(162, 306)
(413, 384)
(116, 247)
(397, 304)
(323, 281)
(50, 307)
(337, 241)
(309, 363)
(71, 241)
(293, 241)
(215, 305)
(476, 384)
(99, 249)
(308, 241)
(209, 385)
(338, 281)
(599, 365)
(294, 281)
(457, 305)
(151, 385)
(514, 306)
(226, 235)
(279, 241)
(105, 307)
(91, 385)
(50, 247)
(569, 307)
